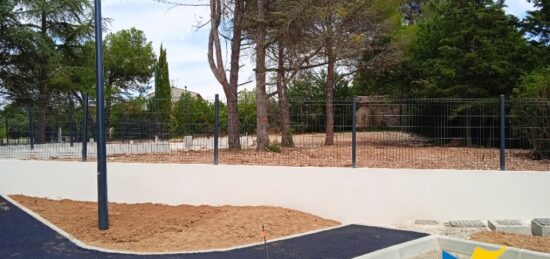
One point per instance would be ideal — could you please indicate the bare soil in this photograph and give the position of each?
(337, 156)
(163, 228)
(374, 150)
(535, 243)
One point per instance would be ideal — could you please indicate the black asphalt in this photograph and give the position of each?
(22, 236)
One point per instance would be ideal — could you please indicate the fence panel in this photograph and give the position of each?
(391, 133)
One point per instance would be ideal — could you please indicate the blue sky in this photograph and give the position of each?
(177, 30)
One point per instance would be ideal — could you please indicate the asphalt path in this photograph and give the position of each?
(22, 236)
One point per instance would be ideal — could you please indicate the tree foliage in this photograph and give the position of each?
(467, 49)
(192, 115)
(42, 38)
(537, 23)
(163, 98)
(532, 116)
(129, 65)
(129, 62)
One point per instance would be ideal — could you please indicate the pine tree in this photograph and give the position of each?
(467, 49)
(537, 23)
(37, 40)
(162, 104)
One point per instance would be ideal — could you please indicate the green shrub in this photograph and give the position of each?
(275, 147)
(531, 112)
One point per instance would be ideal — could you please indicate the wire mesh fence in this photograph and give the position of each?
(375, 131)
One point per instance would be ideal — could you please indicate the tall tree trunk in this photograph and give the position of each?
(233, 119)
(43, 89)
(262, 138)
(233, 126)
(41, 118)
(329, 135)
(282, 93)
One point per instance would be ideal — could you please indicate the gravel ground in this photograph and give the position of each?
(443, 229)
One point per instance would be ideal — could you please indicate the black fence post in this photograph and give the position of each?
(216, 128)
(102, 199)
(155, 122)
(85, 129)
(31, 128)
(7, 130)
(71, 121)
(354, 133)
(502, 133)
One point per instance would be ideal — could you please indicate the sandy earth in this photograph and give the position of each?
(534, 243)
(374, 149)
(367, 156)
(481, 234)
(162, 228)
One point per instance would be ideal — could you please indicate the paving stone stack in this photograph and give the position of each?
(509, 226)
(541, 227)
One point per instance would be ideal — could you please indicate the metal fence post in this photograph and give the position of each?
(85, 129)
(354, 134)
(502, 133)
(216, 128)
(155, 122)
(103, 209)
(7, 131)
(71, 118)
(31, 128)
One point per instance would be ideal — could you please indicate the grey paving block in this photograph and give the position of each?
(426, 222)
(466, 224)
(509, 226)
(541, 227)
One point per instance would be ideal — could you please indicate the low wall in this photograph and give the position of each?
(64, 150)
(364, 196)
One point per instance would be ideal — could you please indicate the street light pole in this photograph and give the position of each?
(103, 210)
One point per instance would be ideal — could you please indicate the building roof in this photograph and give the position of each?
(176, 93)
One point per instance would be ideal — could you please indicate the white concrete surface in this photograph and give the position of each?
(418, 247)
(64, 150)
(361, 196)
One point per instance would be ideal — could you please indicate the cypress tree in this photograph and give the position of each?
(162, 101)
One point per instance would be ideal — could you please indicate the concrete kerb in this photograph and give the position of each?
(509, 226)
(453, 245)
(541, 227)
(405, 250)
(81, 244)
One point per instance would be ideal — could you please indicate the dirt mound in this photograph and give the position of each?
(163, 228)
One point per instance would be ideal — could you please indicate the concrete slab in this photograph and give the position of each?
(541, 227)
(509, 226)
(466, 224)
